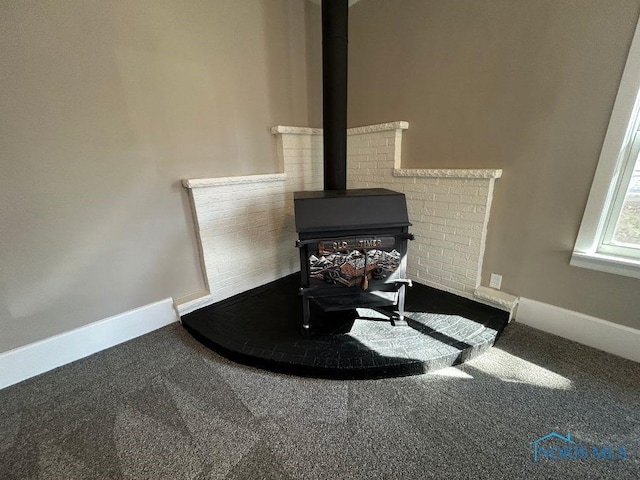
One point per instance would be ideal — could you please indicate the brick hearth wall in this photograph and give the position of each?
(241, 223)
(246, 228)
(449, 209)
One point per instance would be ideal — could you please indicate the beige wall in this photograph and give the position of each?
(526, 86)
(105, 106)
(314, 64)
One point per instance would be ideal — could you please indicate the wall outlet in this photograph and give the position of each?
(496, 281)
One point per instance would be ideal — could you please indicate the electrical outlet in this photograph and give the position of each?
(496, 281)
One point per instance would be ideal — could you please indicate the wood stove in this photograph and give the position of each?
(353, 246)
(353, 243)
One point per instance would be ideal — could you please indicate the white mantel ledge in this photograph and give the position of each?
(447, 173)
(380, 127)
(219, 181)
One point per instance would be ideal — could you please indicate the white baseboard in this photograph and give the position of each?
(591, 331)
(39, 357)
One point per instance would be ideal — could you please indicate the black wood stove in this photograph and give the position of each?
(353, 246)
(353, 243)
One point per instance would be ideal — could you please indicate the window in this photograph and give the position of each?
(609, 237)
(622, 232)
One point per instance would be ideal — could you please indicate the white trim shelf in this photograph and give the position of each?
(380, 127)
(447, 173)
(296, 130)
(220, 181)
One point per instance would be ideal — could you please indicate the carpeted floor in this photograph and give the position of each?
(163, 406)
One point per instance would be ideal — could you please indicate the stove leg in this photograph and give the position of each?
(398, 320)
(306, 317)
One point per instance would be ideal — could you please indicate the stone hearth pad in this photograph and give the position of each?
(261, 327)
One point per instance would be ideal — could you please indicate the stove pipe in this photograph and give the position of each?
(334, 92)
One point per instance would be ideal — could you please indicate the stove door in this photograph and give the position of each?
(346, 261)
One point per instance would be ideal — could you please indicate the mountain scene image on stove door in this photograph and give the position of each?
(337, 262)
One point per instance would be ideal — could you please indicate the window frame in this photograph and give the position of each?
(592, 249)
(607, 245)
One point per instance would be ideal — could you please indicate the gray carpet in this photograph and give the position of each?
(163, 406)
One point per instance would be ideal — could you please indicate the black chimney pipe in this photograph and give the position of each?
(335, 19)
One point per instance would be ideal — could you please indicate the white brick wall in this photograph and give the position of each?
(243, 223)
(449, 210)
(450, 230)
